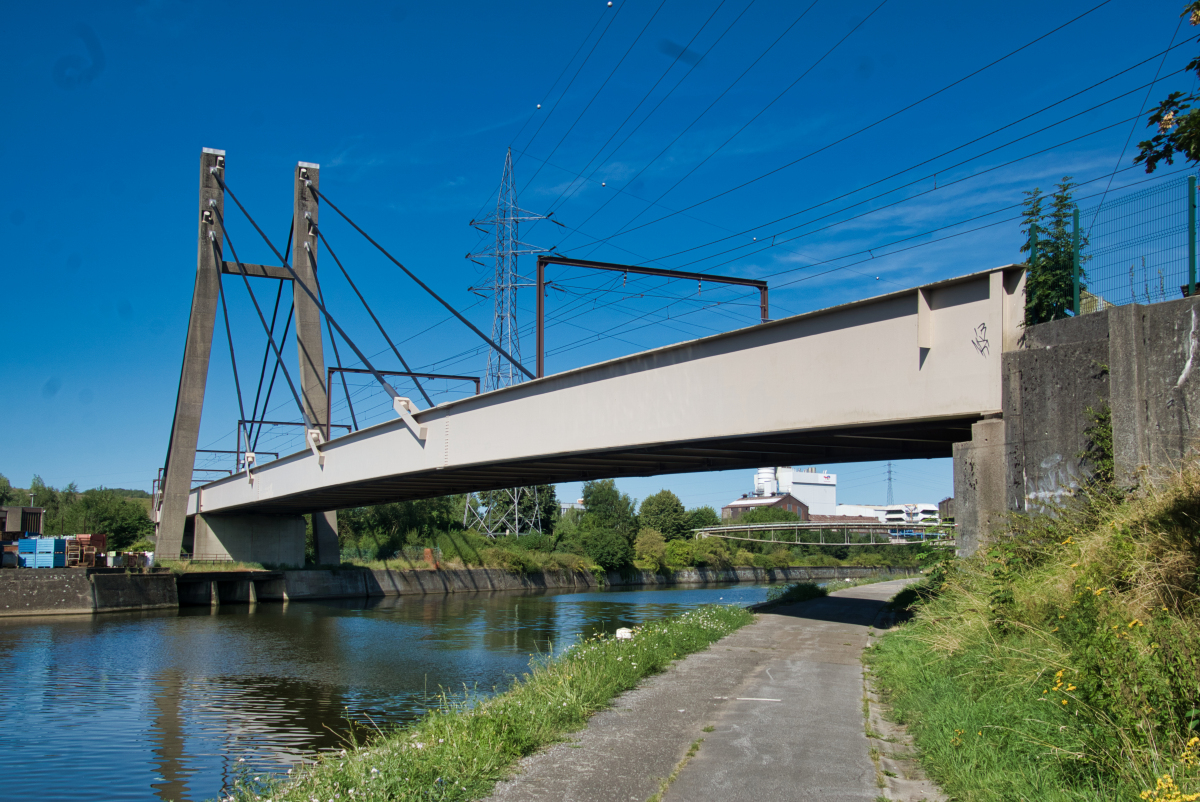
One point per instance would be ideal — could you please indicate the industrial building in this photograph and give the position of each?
(786, 501)
(816, 492)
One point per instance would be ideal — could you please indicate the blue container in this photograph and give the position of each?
(51, 545)
(50, 561)
(26, 560)
(26, 545)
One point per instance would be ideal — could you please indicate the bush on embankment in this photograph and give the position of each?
(1062, 663)
(459, 751)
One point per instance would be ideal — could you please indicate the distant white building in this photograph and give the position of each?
(817, 489)
(563, 506)
(894, 514)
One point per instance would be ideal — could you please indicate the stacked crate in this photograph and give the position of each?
(42, 552)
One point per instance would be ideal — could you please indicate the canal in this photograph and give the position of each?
(165, 705)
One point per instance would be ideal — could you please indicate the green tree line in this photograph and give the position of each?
(121, 514)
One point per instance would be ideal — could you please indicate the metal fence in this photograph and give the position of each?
(1141, 248)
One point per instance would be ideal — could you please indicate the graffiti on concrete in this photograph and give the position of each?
(1187, 369)
(1056, 480)
(981, 340)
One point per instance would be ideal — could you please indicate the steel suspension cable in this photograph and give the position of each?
(297, 282)
(267, 351)
(237, 384)
(420, 283)
(371, 312)
(275, 369)
(262, 318)
(337, 359)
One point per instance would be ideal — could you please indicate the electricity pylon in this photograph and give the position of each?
(515, 510)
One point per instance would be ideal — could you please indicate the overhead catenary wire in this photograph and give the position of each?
(922, 163)
(595, 95)
(634, 111)
(864, 129)
(708, 108)
(761, 111)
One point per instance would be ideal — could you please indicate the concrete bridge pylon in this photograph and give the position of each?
(276, 536)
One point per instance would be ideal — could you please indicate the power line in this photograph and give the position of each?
(760, 112)
(874, 124)
(620, 61)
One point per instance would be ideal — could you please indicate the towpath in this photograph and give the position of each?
(778, 704)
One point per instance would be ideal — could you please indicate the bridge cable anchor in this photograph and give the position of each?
(248, 460)
(315, 440)
(404, 407)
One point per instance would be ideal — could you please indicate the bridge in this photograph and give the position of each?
(900, 376)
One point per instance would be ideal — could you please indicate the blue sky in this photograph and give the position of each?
(652, 112)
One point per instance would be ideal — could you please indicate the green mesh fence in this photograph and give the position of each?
(1137, 249)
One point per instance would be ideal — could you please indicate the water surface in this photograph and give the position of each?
(162, 705)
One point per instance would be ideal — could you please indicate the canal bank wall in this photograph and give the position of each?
(72, 591)
(76, 590)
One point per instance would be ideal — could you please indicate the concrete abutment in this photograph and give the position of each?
(1139, 362)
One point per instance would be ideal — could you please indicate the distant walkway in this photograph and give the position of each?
(784, 699)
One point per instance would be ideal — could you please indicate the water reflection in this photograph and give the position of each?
(162, 705)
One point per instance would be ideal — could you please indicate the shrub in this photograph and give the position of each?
(650, 547)
(765, 561)
(743, 557)
(608, 548)
(711, 552)
(679, 553)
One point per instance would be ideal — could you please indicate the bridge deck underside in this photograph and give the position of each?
(921, 440)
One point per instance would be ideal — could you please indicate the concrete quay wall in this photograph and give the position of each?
(72, 591)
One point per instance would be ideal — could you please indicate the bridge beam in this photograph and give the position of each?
(189, 400)
(309, 343)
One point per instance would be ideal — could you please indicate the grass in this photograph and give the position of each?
(460, 750)
(189, 567)
(1063, 663)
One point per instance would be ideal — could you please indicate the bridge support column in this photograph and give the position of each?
(185, 428)
(980, 484)
(276, 540)
(313, 391)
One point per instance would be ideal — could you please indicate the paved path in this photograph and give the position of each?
(810, 744)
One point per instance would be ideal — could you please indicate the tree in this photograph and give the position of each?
(1049, 281)
(650, 546)
(7, 494)
(1177, 122)
(700, 517)
(606, 507)
(664, 512)
(609, 548)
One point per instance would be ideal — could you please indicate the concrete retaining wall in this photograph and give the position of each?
(704, 576)
(66, 591)
(1142, 361)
